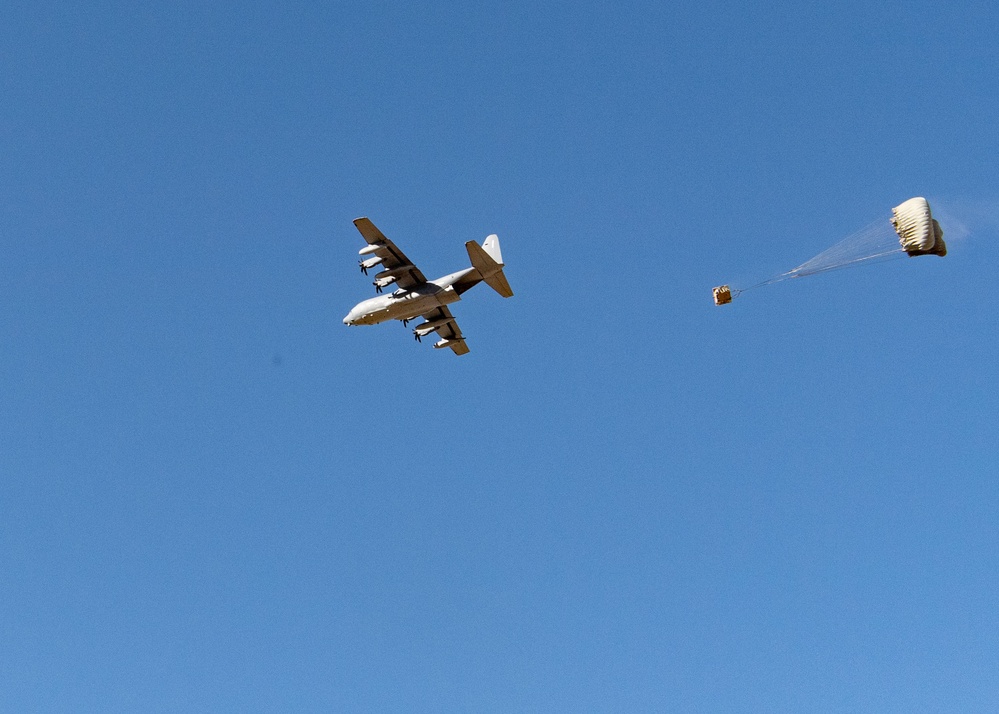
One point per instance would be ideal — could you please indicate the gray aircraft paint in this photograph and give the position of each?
(418, 297)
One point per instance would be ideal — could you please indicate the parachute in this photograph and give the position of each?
(913, 231)
(918, 232)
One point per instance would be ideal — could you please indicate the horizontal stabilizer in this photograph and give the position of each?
(497, 281)
(488, 266)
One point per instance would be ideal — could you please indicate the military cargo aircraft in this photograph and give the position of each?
(415, 296)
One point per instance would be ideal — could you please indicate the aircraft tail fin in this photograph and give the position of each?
(488, 260)
(492, 247)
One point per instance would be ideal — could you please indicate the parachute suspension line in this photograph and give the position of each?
(769, 281)
(874, 243)
(867, 259)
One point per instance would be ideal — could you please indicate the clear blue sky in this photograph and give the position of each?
(217, 498)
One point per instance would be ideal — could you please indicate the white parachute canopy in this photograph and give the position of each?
(918, 232)
(911, 231)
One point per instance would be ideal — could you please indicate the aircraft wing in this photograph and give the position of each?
(441, 321)
(391, 258)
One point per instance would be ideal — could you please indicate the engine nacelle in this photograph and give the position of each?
(369, 249)
(393, 273)
(370, 263)
(441, 344)
(425, 328)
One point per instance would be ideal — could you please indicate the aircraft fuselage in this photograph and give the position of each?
(406, 304)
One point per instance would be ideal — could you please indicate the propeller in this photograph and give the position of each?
(417, 336)
(378, 288)
(364, 268)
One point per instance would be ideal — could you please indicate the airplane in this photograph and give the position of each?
(415, 296)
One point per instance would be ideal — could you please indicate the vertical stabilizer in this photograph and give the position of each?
(492, 247)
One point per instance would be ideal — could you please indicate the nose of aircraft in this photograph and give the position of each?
(346, 320)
